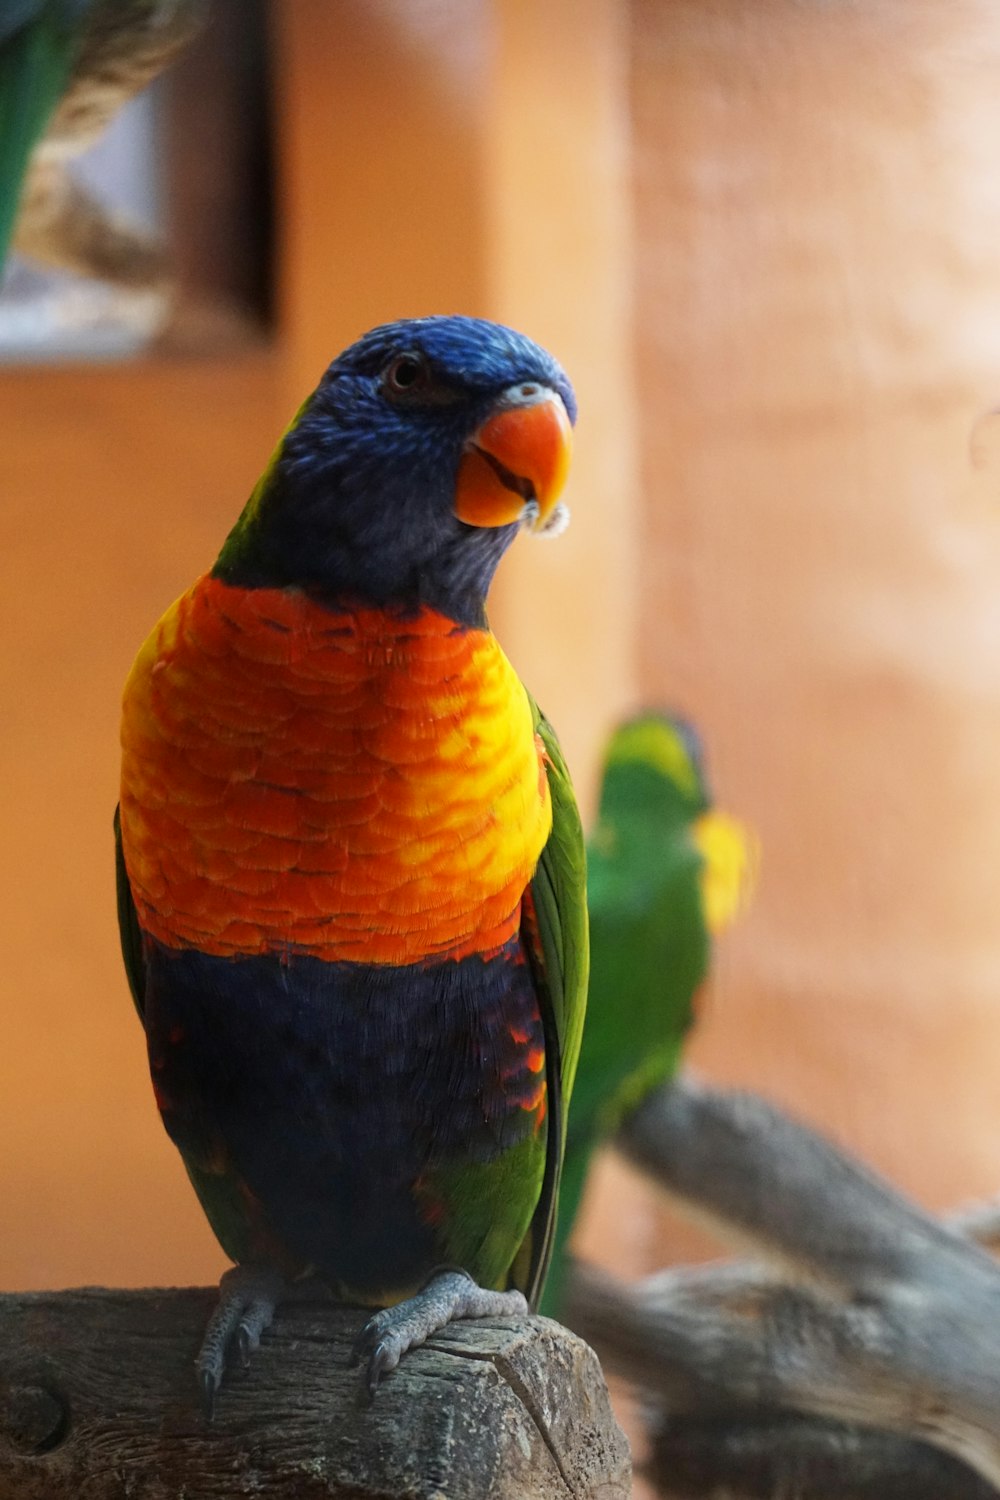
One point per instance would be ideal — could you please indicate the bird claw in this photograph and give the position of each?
(447, 1296)
(247, 1300)
(244, 1346)
(383, 1358)
(380, 1347)
(209, 1382)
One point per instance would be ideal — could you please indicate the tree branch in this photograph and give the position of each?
(872, 1317)
(98, 1397)
(60, 223)
(776, 1454)
(979, 1222)
(788, 1193)
(724, 1339)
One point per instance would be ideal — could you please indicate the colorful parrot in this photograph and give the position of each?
(351, 873)
(66, 68)
(665, 872)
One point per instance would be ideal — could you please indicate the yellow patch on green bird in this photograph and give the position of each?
(655, 743)
(730, 858)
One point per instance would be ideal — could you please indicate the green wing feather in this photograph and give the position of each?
(559, 904)
(128, 926)
(38, 42)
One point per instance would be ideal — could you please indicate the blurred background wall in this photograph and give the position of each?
(761, 235)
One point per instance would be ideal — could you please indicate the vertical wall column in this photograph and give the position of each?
(817, 229)
(381, 118)
(559, 255)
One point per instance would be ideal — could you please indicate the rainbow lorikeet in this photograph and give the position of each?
(666, 870)
(66, 67)
(351, 870)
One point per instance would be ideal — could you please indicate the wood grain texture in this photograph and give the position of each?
(861, 1319)
(97, 1399)
(769, 1454)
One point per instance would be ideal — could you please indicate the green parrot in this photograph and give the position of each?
(665, 872)
(66, 68)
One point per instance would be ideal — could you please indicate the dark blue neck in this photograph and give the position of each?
(312, 523)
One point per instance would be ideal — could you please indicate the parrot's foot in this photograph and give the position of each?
(248, 1296)
(448, 1295)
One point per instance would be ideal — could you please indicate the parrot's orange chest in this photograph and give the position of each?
(354, 785)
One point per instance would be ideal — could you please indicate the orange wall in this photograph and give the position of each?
(405, 155)
(805, 565)
(817, 223)
(115, 487)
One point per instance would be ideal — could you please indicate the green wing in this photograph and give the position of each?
(128, 926)
(38, 42)
(561, 960)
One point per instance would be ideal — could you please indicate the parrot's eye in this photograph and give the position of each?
(406, 373)
(409, 380)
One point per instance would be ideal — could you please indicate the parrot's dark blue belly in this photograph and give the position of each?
(344, 1104)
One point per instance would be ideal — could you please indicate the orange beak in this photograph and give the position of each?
(515, 466)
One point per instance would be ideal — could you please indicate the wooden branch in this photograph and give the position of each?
(789, 1194)
(722, 1339)
(63, 225)
(97, 1398)
(872, 1318)
(59, 222)
(776, 1454)
(979, 1222)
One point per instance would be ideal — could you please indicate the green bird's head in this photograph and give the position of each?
(408, 472)
(666, 870)
(654, 768)
(656, 812)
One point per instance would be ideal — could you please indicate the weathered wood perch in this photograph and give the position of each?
(778, 1455)
(98, 1402)
(859, 1357)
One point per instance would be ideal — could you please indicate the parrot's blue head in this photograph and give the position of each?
(410, 469)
